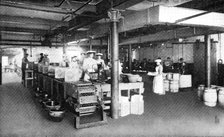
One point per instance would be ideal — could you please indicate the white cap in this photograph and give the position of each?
(90, 51)
(158, 60)
(99, 54)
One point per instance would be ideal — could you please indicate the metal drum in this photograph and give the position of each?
(166, 85)
(169, 76)
(221, 96)
(210, 97)
(174, 86)
(56, 115)
(164, 75)
(200, 91)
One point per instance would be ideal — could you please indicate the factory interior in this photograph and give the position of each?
(111, 68)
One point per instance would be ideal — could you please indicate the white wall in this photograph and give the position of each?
(54, 54)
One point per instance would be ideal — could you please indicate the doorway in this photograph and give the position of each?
(10, 59)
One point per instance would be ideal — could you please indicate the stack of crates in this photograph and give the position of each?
(171, 82)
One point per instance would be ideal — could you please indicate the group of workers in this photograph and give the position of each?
(88, 64)
(43, 60)
(148, 65)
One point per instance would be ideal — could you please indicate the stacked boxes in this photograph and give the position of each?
(137, 104)
(72, 74)
(185, 81)
(171, 82)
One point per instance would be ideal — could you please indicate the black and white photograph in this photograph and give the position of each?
(111, 68)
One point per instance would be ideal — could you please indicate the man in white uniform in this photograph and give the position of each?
(74, 63)
(99, 60)
(89, 64)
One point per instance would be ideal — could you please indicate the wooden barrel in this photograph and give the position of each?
(200, 91)
(210, 97)
(166, 85)
(174, 86)
(221, 96)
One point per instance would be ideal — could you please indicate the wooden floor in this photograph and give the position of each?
(179, 114)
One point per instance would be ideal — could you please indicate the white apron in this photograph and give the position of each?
(158, 81)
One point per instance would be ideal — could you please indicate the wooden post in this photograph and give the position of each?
(208, 59)
(114, 17)
(130, 58)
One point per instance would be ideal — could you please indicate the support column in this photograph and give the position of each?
(90, 44)
(130, 58)
(208, 59)
(1, 67)
(101, 44)
(64, 48)
(114, 17)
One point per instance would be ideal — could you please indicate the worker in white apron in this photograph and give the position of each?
(158, 78)
(74, 64)
(89, 65)
(99, 60)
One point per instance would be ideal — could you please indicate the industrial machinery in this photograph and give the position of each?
(83, 101)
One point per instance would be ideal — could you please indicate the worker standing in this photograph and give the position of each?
(182, 66)
(65, 61)
(74, 63)
(89, 65)
(25, 62)
(158, 78)
(168, 65)
(100, 61)
(46, 60)
(41, 58)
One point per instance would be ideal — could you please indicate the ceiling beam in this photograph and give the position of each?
(48, 6)
(22, 25)
(35, 7)
(169, 35)
(30, 12)
(25, 30)
(29, 20)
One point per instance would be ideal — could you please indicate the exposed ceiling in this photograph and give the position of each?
(26, 22)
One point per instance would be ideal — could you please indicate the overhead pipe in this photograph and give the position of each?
(34, 45)
(19, 40)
